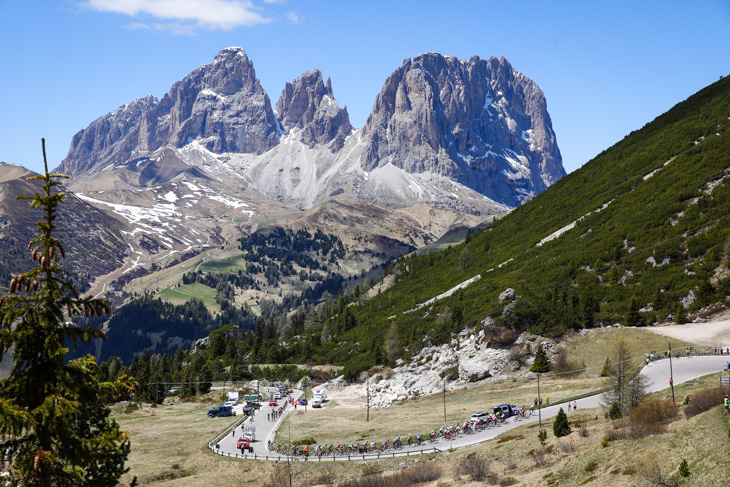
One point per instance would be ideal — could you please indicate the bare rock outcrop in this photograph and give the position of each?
(221, 105)
(478, 122)
(308, 104)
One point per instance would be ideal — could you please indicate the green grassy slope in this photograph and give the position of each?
(661, 192)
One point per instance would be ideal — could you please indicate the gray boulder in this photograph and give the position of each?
(507, 295)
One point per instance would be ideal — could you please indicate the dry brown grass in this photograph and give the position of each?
(177, 434)
(474, 466)
(348, 425)
(705, 399)
(649, 418)
(593, 348)
(416, 474)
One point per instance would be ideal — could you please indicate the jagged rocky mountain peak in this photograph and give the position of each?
(231, 71)
(472, 135)
(220, 105)
(308, 104)
(475, 121)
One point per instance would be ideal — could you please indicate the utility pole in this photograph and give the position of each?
(288, 461)
(367, 382)
(539, 401)
(671, 374)
(444, 399)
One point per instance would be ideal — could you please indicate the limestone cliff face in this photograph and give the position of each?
(472, 135)
(220, 105)
(308, 104)
(478, 122)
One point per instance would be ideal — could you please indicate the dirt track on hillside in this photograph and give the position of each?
(715, 333)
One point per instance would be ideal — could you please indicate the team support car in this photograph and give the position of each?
(273, 402)
(221, 411)
(480, 415)
(508, 410)
(244, 443)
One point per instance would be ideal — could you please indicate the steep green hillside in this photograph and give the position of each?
(642, 226)
(639, 234)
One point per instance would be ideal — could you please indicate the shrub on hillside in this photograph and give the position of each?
(654, 410)
(416, 474)
(561, 364)
(705, 400)
(648, 418)
(475, 466)
(278, 478)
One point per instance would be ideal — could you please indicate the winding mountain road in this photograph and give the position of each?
(657, 374)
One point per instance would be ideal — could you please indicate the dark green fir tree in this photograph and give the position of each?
(541, 363)
(54, 415)
(561, 427)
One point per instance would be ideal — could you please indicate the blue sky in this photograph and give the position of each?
(606, 68)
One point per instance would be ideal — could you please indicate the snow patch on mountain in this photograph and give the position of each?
(448, 293)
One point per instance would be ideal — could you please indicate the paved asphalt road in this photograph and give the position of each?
(657, 373)
(264, 428)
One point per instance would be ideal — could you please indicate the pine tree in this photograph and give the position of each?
(541, 363)
(607, 369)
(632, 318)
(53, 415)
(626, 386)
(561, 427)
(680, 317)
(684, 468)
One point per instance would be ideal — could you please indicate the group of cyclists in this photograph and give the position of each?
(444, 433)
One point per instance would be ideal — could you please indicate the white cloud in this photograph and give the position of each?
(183, 15)
(173, 27)
(293, 17)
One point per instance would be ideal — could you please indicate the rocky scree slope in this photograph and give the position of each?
(469, 135)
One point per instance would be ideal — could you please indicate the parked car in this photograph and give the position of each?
(230, 403)
(273, 402)
(302, 402)
(317, 403)
(221, 411)
(244, 443)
